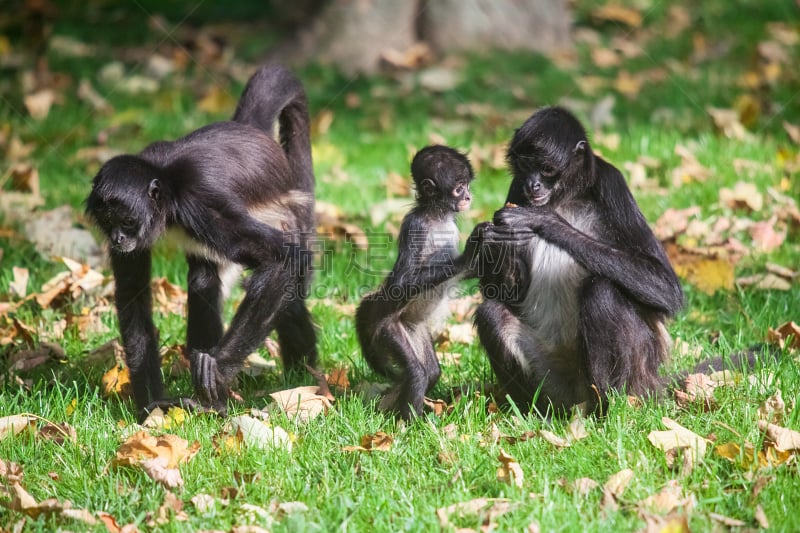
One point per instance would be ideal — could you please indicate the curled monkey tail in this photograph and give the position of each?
(274, 93)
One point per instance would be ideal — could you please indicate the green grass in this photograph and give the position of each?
(401, 489)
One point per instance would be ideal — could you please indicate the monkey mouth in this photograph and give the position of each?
(125, 247)
(539, 199)
(463, 205)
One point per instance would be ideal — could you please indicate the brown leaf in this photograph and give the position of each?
(58, 433)
(117, 381)
(141, 446)
(765, 237)
(728, 122)
(690, 169)
(617, 483)
(304, 403)
(380, 442)
(773, 409)
(509, 470)
(584, 485)
(168, 297)
(488, 508)
(744, 195)
(337, 378)
(159, 470)
(668, 499)
(617, 13)
(678, 437)
(726, 521)
(784, 439)
(761, 517)
(15, 424)
(793, 130)
(766, 281)
(781, 336)
(38, 104)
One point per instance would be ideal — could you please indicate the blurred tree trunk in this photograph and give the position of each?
(357, 35)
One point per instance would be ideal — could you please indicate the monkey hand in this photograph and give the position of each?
(209, 384)
(523, 222)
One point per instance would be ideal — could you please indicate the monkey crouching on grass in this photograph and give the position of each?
(394, 322)
(233, 195)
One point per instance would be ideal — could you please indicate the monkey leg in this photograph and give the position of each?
(499, 332)
(370, 317)
(416, 368)
(266, 297)
(204, 302)
(623, 351)
(296, 335)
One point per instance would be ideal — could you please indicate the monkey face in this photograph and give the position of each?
(462, 197)
(120, 225)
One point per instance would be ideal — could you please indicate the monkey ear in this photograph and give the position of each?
(580, 147)
(427, 188)
(154, 189)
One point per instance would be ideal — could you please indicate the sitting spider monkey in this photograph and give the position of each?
(394, 322)
(234, 196)
(595, 286)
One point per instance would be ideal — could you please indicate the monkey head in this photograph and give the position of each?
(550, 159)
(442, 176)
(125, 204)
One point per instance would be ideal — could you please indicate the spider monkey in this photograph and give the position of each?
(594, 284)
(394, 322)
(232, 195)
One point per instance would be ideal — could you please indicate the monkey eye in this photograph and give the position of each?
(548, 171)
(459, 190)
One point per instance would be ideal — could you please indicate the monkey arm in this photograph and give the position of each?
(641, 272)
(139, 336)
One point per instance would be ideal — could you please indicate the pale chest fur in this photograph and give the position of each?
(430, 306)
(551, 304)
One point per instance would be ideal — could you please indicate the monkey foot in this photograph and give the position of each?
(208, 383)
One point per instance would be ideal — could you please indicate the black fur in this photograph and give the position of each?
(595, 285)
(394, 322)
(237, 197)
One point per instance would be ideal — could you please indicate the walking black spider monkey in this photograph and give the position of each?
(234, 196)
(394, 322)
(595, 285)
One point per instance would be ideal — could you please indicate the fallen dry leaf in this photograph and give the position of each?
(158, 469)
(617, 13)
(380, 441)
(141, 445)
(217, 100)
(39, 103)
(303, 403)
(785, 439)
(509, 470)
(766, 281)
(690, 169)
(584, 485)
(773, 409)
(787, 335)
(747, 457)
(765, 237)
(744, 195)
(117, 381)
(488, 508)
(18, 286)
(157, 419)
(708, 275)
(726, 520)
(14, 424)
(337, 378)
(761, 517)
(256, 434)
(668, 499)
(617, 483)
(677, 437)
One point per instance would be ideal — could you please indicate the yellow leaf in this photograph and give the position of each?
(217, 100)
(708, 275)
(618, 13)
(117, 381)
(71, 407)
